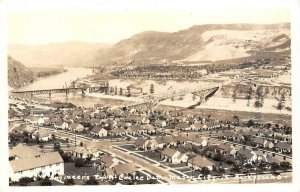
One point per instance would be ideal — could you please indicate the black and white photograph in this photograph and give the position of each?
(141, 94)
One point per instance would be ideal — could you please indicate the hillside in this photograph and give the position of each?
(56, 54)
(18, 74)
(198, 43)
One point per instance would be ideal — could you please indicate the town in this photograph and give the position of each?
(143, 144)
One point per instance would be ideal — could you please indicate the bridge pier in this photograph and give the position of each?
(82, 92)
(67, 92)
(50, 94)
(31, 96)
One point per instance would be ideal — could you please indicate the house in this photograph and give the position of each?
(283, 147)
(76, 127)
(248, 155)
(227, 149)
(100, 115)
(61, 125)
(34, 120)
(161, 142)
(122, 124)
(117, 132)
(149, 128)
(96, 121)
(30, 161)
(81, 152)
(122, 170)
(42, 135)
(24, 151)
(99, 132)
(268, 159)
(228, 135)
(190, 120)
(210, 126)
(183, 126)
(269, 145)
(141, 143)
(160, 123)
(198, 162)
(196, 126)
(197, 140)
(135, 129)
(47, 164)
(259, 142)
(107, 161)
(173, 156)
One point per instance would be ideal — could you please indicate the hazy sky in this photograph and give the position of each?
(42, 24)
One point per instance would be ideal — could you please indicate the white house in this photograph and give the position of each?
(42, 135)
(99, 132)
(173, 156)
(61, 125)
(30, 161)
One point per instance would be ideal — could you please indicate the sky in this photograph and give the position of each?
(112, 21)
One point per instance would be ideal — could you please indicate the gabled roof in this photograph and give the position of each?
(97, 129)
(135, 128)
(140, 142)
(259, 140)
(42, 133)
(283, 145)
(25, 151)
(35, 161)
(107, 160)
(169, 152)
(118, 130)
(225, 146)
(182, 125)
(248, 153)
(125, 168)
(148, 127)
(201, 161)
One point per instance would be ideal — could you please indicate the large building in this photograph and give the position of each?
(30, 161)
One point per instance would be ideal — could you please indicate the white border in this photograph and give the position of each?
(156, 5)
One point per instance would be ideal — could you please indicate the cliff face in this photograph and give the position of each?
(18, 74)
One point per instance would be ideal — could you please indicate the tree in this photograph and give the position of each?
(79, 162)
(128, 91)
(92, 181)
(258, 104)
(56, 146)
(116, 90)
(25, 180)
(234, 95)
(151, 89)
(45, 182)
(281, 102)
(69, 182)
(250, 123)
(285, 165)
(274, 166)
(205, 171)
(236, 119)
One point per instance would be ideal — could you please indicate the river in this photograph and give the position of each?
(60, 80)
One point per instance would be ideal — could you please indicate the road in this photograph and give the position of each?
(106, 146)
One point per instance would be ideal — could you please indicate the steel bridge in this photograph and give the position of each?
(152, 101)
(62, 90)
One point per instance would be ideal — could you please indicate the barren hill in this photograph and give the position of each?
(198, 43)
